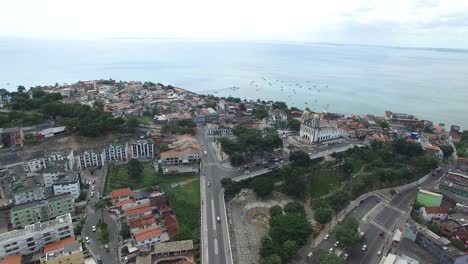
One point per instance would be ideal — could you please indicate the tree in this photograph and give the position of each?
(275, 211)
(347, 232)
(262, 186)
(323, 215)
(99, 205)
(294, 124)
(294, 182)
(294, 208)
(267, 247)
(21, 89)
(272, 259)
(458, 244)
(231, 187)
(339, 200)
(410, 149)
(447, 150)
(125, 250)
(288, 249)
(135, 168)
(323, 257)
(125, 231)
(261, 112)
(300, 158)
(132, 124)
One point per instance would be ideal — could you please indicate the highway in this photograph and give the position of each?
(214, 235)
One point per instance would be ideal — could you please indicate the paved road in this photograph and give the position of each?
(215, 238)
(93, 217)
(377, 214)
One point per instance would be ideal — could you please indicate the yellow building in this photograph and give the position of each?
(65, 251)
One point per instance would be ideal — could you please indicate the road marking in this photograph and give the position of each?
(215, 241)
(375, 208)
(380, 226)
(213, 214)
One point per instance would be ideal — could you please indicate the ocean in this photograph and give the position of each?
(429, 83)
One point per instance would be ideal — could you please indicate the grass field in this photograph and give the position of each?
(145, 119)
(323, 183)
(118, 178)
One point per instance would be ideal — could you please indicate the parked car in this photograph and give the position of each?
(330, 250)
(379, 252)
(337, 243)
(364, 248)
(106, 247)
(246, 172)
(93, 228)
(326, 236)
(87, 240)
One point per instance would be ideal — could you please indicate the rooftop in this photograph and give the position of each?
(139, 209)
(147, 233)
(31, 204)
(142, 222)
(173, 246)
(36, 227)
(120, 192)
(430, 193)
(15, 259)
(59, 244)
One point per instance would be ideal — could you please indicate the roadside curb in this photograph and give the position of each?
(227, 227)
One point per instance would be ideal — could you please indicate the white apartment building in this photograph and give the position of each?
(116, 152)
(29, 194)
(91, 159)
(315, 129)
(33, 237)
(142, 149)
(72, 187)
(41, 163)
(98, 158)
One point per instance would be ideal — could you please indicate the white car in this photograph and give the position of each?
(218, 219)
(326, 236)
(379, 252)
(337, 243)
(364, 248)
(87, 240)
(93, 228)
(246, 172)
(330, 250)
(209, 184)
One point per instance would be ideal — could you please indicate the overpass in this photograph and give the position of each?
(319, 154)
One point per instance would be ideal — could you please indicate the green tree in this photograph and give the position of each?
(267, 247)
(288, 249)
(323, 257)
(323, 215)
(261, 112)
(294, 208)
(300, 158)
(135, 168)
(458, 244)
(21, 89)
(410, 149)
(124, 250)
(290, 227)
(447, 150)
(294, 124)
(132, 124)
(231, 187)
(262, 186)
(347, 232)
(275, 211)
(294, 183)
(272, 259)
(125, 231)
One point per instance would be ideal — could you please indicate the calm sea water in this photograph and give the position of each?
(432, 84)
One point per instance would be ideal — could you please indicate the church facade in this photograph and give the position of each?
(315, 129)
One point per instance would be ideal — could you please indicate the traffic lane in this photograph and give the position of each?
(404, 199)
(373, 242)
(363, 208)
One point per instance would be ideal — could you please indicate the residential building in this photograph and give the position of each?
(429, 213)
(455, 182)
(184, 150)
(138, 211)
(116, 152)
(142, 149)
(429, 199)
(120, 195)
(277, 118)
(65, 251)
(141, 223)
(41, 163)
(28, 194)
(40, 211)
(206, 115)
(433, 151)
(33, 237)
(149, 236)
(314, 128)
(69, 185)
(91, 158)
(169, 251)
(409, 122)
(98, 158)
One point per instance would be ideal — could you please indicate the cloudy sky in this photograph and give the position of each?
(428, 23)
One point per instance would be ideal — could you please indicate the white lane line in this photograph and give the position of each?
(213, 214)
(215, 246)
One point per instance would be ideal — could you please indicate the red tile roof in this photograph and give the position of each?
(142, 222)
(137, 210)
(171, 223)
(58, 244)
(121, 192)
(436, 210)
(123, 202)
(15, 259)
(147, 233)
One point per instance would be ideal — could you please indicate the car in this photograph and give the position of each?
(246, 167)
(202, 144)
(87, 240)
(364, 248)
(92, 194)
(218, 219)
(92, 188)
(277, 163)
(209, 184)
(281, 161)
(99, 260)
(106, 247)
(379, 252)
(94, 181)
(246, 172)
(265, 162)
(93, 228)
(337, 243)
(326, 236)
(257, 164)
(346, 256)
(330, 250)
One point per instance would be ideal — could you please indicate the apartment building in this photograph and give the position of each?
(33, 237)
(142, 149)
(69, 185)
(28, 194)
(40, 211)
(41, 163)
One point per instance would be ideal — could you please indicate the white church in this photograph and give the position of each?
(314, 128)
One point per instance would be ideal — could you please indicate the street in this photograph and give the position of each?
(92, 218)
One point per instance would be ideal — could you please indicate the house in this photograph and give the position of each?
(171, 223)
(141, 223)
(169, 252)
(138, 211)
(277, 118)
(433, 150)
(206, 115)
(149, 236)
(120, 194)
(429, 213)
(65, 251)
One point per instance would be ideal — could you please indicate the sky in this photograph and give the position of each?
(417, 23)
